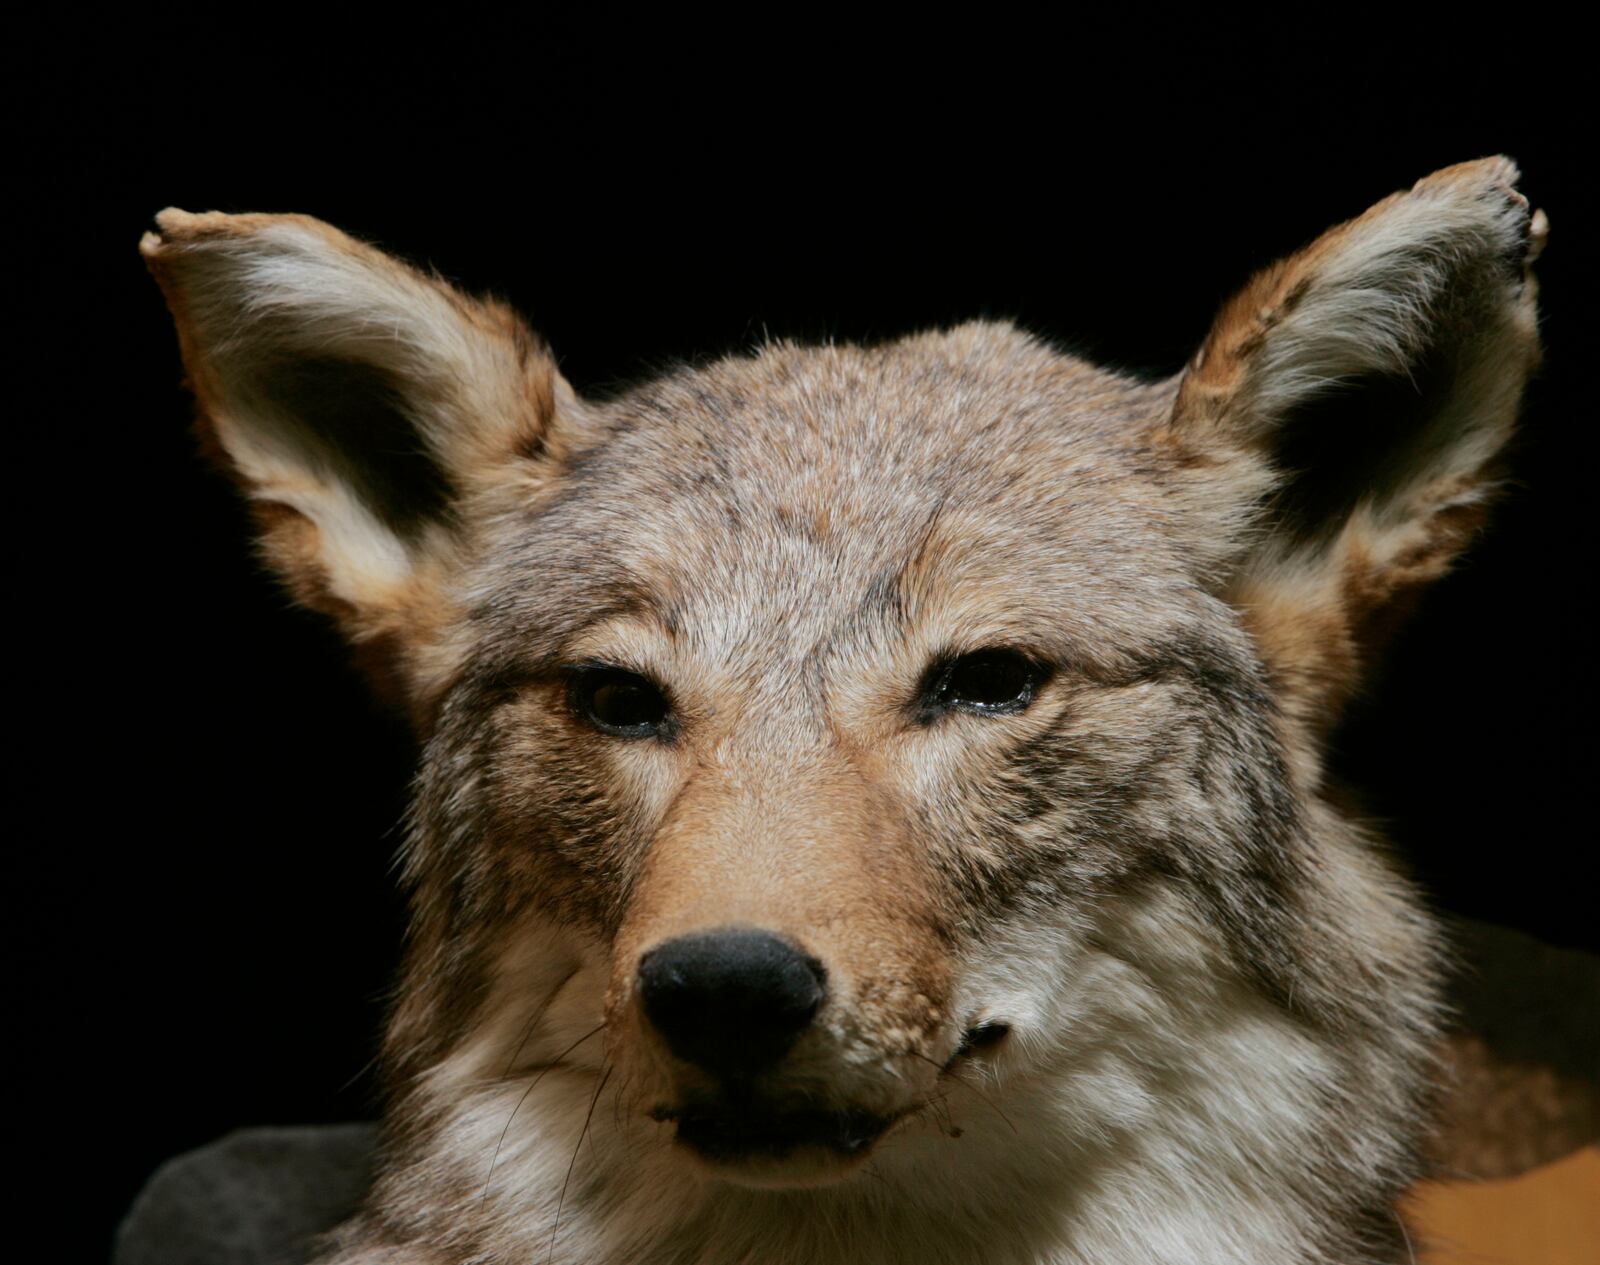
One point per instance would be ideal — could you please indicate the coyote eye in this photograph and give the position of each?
(619, 702)
(989, 682)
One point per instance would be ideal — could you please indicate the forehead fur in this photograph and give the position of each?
(792, 494)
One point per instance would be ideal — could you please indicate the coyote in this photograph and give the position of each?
(872, 804)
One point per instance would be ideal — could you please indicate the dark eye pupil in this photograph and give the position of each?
(990, 680)
(620, 702)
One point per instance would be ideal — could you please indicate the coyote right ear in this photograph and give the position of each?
(363, 405)
(1351, 402)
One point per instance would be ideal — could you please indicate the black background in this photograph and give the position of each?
(207, 804)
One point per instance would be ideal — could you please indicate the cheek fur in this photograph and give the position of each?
(568, 813)
(1054, 815)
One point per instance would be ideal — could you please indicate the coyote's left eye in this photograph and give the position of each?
(990, 682)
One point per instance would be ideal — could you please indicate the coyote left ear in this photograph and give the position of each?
(365, 408)
(1358, 394)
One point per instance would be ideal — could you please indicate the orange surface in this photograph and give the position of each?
(1550, 1216)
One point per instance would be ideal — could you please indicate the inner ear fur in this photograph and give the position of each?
(364, 407)
(1356, 397)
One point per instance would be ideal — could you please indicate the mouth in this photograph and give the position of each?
(759, 1143)
(744, 1133)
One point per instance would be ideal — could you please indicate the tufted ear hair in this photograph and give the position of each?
(1355, 397)
(365, 407)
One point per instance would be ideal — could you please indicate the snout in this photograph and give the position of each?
(778, 990)
(732, 1001)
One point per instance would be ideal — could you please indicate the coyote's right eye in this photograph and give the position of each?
(995, 682)
(619, 702)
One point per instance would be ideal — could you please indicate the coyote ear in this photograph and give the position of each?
(361, 403)
(1358, 394)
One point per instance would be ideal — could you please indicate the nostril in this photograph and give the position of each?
(731, 1001)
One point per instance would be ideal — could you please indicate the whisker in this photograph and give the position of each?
(618, 1099)
(537, 1015)
(561, 1201)
(1406, 1235)
(360, 1072)
(546, 1070)
(966, 1084)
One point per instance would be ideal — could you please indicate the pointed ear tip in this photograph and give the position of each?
(1496, 174)
(1500, 168)
(169, 223)
(175, 221)
(1489, 185)
(174, 225)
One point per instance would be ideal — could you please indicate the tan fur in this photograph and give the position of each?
(1222, 1002)
(1465, 223)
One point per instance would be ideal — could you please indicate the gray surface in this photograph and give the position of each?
(255, 1197)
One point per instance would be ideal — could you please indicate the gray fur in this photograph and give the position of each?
(1223, 1000)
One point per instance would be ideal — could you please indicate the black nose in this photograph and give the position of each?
(730, 1001)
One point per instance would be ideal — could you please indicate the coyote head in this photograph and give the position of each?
(889, 775)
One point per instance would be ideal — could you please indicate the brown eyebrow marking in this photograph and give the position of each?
(886, 593)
